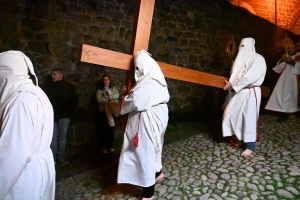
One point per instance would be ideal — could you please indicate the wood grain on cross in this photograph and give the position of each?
(140, 40)
(123, 61)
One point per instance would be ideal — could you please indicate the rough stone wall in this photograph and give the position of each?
(187, 33)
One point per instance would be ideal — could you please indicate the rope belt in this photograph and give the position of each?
(257, 133)
(135, 140)
(252, 87)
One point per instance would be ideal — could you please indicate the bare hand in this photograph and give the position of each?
(104, 96)
(228, 85)
(279, 61)
(286, 58)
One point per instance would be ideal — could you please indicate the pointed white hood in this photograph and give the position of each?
(14, 68)
(244, 59)
(147, 69)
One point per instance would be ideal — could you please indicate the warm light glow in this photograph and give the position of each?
(283, 13)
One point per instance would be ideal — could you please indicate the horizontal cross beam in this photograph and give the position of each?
(104, 57)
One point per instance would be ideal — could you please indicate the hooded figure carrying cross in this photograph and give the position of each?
(242, 111)
(140, 160)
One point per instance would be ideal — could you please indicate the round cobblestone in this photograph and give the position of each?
(201, 168)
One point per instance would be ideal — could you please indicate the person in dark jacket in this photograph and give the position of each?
(64, 99)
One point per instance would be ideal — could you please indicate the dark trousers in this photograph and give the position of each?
(250, 146)
(105, 132)
(148, 192)
(283, 116)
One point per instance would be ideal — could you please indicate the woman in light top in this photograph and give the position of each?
(107, 98)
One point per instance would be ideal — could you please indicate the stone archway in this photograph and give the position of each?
(242, 4)
(293, 21)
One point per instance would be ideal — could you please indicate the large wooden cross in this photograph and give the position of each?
(140, 40)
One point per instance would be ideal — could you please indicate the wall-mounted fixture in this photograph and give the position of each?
(230, 48)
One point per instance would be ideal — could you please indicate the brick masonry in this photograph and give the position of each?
(288, 12)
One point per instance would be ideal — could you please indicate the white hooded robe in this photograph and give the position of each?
(241, 113)
(147, 108)
(284, 97)
(27, 169)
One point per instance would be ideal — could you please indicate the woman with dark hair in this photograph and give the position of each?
(107, 98)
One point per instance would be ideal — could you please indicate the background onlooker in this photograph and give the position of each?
(64, 99)
(107, 98)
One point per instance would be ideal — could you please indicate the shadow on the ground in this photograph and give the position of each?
(90, 157)
(88, 160)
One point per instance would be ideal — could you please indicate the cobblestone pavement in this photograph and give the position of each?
(201, 168)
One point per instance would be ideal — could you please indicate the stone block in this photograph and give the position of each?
(170, 17)
(171, 39)
(189, 22)
(184, 58)
(122, 32)
(162, 23)
(74, 77)
(128, 35)
(183, 43)
(188, 35)
(190, 14)
(183, 90)
(193, 59)
(197, 51)
(102, 21)
(10, 21)
(13, 43)
(44, 63)
(180, 26)
(118, 15)
(115, 22)
(71, 28)
(127, 24)
(84, 19)
(87, 39)
(37, 46)
(50, 26)
(33, 23)
(193, 43)
(40, 36)
(172, 25)
(178, 34)
(165, 33)
(28, 33)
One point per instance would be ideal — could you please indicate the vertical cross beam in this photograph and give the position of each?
(140, 40)
(141, 32)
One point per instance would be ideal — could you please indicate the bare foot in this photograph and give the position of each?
(161, 176)
(148, 198)
(247, 153)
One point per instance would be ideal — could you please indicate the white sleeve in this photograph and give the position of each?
(257, 70)
(278, 68)
(296, 69)
(151, 93)
(16, 142)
